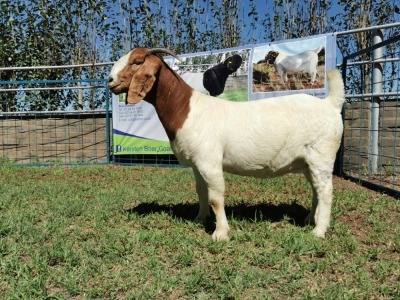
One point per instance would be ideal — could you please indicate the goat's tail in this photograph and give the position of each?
(318, 50)
(336, 89)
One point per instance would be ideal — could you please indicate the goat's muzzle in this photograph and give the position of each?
(113, 87)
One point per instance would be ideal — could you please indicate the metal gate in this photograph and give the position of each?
(371, 141)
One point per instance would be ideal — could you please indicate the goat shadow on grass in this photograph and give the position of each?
(294, 213)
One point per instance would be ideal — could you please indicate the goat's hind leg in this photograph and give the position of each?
(321, 181)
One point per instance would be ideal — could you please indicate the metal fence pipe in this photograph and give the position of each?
(372, 28)
(52, 113)
(364, 62)
(56, 67)
(368, 95)
(53, 88)
(376, 89)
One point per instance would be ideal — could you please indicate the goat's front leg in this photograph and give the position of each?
(215, 183)
(313, 76)
(283, 77)
(202, 193)
(310, 219)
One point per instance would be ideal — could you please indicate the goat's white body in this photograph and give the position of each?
(264, 138)
(303, 62)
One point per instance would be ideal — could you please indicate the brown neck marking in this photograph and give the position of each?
(171, 98)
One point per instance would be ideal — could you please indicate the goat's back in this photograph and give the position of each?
(305, 61)
(269, 137)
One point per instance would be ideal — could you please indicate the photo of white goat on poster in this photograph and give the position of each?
(222, 74)
(294, 65)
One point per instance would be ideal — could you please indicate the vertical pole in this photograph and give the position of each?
(338, 167)
(375, 100)
(108, 140)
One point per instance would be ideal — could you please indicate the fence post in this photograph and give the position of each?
(375, 101)
(108, 133)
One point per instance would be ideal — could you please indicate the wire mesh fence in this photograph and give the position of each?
(52, 122)
(371, 141)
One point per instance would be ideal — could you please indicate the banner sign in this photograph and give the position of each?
(137, 129)
(239, 74)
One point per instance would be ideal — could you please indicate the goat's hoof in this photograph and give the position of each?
(202, 219)
(309, 220)
(319, 233)
(221, 235)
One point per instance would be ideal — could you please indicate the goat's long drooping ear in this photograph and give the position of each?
(143, 80)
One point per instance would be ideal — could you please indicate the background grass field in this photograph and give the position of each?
(235, 95)
(107, 232)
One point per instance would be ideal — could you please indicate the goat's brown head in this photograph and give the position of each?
(233, 63)
(271, 57)
(136, 72)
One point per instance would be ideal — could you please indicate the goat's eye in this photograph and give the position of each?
(135, 63)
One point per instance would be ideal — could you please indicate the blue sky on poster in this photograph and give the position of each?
(289, 47)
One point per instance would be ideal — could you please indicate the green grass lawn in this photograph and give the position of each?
(235, 95)
(107, 232)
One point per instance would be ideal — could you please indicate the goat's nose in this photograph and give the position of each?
(110, 79)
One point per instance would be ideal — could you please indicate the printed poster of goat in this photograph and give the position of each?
(222, 74)
(289, 66)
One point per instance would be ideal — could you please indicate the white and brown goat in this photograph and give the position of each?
(265, 138)
(306, 61)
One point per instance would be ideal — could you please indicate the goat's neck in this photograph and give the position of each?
(171, 99)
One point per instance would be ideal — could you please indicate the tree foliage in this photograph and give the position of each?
(58, 32)
(54, 32)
